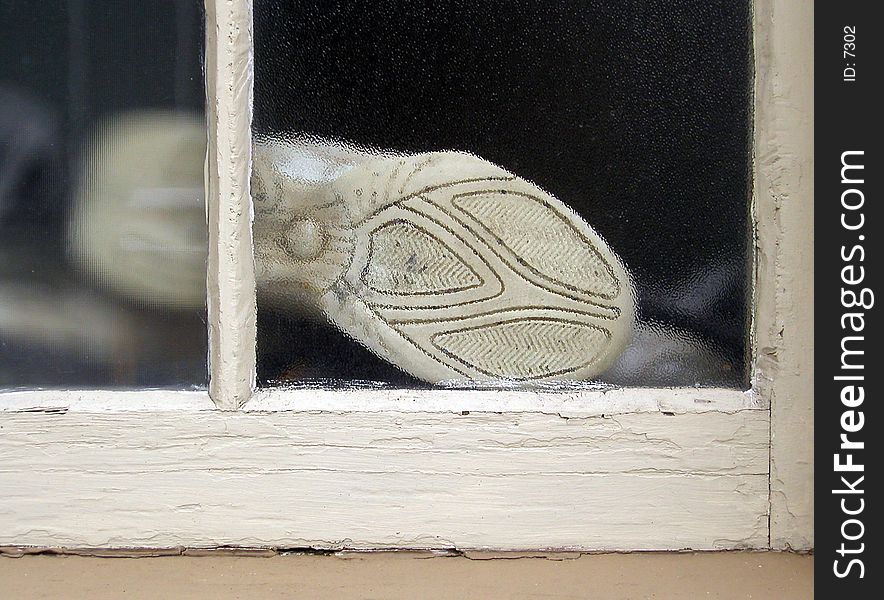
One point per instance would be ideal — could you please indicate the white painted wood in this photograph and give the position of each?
(365, 480)
(784, 258)
(564, 403)
(63, 401)
(231, 273)
(578, 403)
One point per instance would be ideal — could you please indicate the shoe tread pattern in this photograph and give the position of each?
(524, 349)
(541, 239)
(405, 259)
(557, 303)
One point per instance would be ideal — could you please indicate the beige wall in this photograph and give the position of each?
(720, 576)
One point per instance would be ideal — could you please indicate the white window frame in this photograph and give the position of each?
(628, 469)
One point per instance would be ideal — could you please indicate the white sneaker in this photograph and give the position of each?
(444, 264)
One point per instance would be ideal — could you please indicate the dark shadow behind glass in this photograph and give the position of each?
(635, 113)
(100, 235)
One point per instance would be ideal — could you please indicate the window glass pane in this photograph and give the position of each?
(102, 214)
(503, 191)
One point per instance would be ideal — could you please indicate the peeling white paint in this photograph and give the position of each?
(565, 404)
(231, 273)
(784, 259)
(367, 480)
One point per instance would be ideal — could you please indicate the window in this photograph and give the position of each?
(363, 453)
(102, 213)
(618, 254)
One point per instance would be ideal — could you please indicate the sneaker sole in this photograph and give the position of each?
(454, 269)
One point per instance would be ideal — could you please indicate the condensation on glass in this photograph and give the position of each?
(520, 193)
(102, 210)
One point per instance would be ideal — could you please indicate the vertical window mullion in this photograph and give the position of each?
(231, 277)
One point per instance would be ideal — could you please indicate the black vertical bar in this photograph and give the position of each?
(848, 231)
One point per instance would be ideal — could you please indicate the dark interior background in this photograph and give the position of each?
(635, 113)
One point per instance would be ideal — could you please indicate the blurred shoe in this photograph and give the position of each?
(139, 222)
